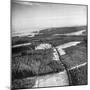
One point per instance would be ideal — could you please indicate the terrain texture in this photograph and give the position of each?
(52, 57)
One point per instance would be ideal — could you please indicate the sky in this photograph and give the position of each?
(33, 16)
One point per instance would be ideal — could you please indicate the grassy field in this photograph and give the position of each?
(79, 76)
(34, 63)
(46, 34)
(75, 62)
(30, 63)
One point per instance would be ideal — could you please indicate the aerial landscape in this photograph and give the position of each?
(48, 51)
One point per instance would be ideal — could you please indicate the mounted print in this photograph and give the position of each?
(49, 44)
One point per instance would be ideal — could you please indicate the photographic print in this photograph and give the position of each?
(49, 44)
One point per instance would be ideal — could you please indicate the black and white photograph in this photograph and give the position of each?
(48, 44)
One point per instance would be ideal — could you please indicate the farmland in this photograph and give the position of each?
(28, 64)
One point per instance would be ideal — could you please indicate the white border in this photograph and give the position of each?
(5, 43)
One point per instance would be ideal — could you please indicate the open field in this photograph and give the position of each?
(29, 64)
(47, 35)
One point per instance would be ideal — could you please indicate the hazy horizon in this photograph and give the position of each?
(33, 16)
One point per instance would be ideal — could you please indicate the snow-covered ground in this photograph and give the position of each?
(48, 46)
(76, 33)
(14, 46)
(60, 48)
(66, 45)
(43, 46)
(55, 55)
(72, 33)
(78, 66)
(58, 79)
